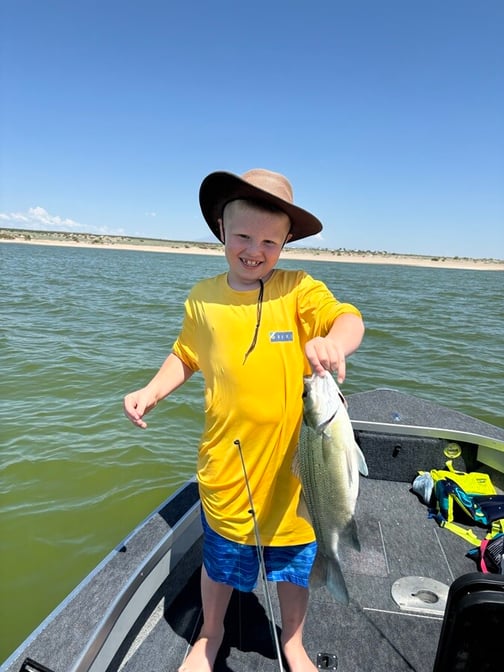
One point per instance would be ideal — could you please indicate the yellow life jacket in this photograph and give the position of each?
(471, 494)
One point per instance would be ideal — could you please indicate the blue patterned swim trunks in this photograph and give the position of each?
(237, 565)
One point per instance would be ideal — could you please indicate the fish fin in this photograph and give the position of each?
(355, 464)
(302, 509)
(363, 468)
(350, 535)
(353, 453)
(336, 582)
(318, 576)
(327, 572)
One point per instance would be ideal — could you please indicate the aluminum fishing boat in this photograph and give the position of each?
(417, 601)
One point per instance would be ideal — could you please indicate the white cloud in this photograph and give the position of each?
(38, 219)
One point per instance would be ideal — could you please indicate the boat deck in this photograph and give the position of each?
(372, 633)
(140, 609)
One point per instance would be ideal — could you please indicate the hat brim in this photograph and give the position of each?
(220, 188)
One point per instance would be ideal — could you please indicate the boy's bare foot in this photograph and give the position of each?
(202, 656)
(297, 658)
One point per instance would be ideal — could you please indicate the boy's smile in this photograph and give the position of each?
(250, 263)
(253, 240)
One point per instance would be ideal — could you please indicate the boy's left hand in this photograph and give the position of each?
(325, 354)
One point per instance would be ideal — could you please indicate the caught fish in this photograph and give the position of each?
(328, 463)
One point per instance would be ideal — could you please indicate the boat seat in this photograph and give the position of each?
(471, 635)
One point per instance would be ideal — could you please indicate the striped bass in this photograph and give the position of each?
(328, 463)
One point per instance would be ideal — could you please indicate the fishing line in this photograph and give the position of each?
(260, 557)
(193, 637)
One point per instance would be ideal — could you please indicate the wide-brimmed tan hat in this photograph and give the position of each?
(220, 188)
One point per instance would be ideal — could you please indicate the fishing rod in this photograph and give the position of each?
(262, 566)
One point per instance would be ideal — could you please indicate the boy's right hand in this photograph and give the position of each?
(136, 405)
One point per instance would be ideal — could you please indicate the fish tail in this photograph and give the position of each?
(336, 583)
(327, 572)
(318, 576)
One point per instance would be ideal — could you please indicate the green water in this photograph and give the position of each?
(81, 327)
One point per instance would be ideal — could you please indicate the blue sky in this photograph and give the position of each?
(387, 116)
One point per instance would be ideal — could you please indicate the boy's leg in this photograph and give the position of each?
(215, 599)
(293, 606)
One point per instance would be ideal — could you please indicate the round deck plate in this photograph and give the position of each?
(420, 595)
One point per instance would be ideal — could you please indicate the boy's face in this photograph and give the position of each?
(253, 240)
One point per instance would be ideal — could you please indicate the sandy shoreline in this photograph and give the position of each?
(313, 254)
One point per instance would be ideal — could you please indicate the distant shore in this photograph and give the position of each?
(215, 249)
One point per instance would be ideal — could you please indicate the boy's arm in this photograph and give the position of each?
(172, 374)
(328, 353)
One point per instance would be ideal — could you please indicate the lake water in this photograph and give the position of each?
(81, 327)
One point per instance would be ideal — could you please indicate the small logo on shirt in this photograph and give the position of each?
(281, 336)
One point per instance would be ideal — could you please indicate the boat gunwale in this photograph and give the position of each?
(95, 656)
(24, 648)
(430, 432)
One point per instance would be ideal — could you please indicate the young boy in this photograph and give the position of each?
(253, 332)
